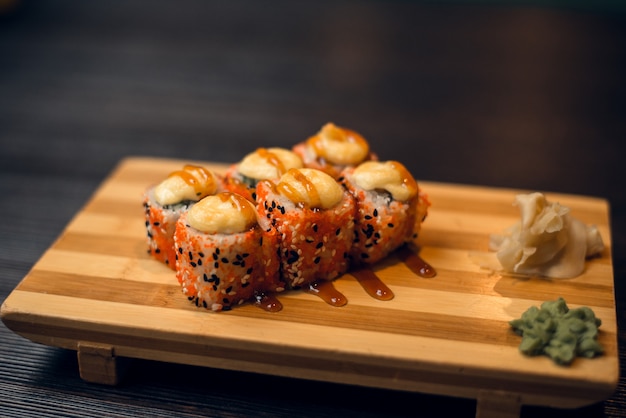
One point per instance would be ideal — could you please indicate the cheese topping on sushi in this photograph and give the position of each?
(190, 183)
(269, 163)
(223, 213)
(310, 187)
(339, 145)
(391, 176)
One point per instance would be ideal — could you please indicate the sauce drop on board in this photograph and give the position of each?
(415, 263)
(372, 284)
(268, 303)
(327, 292)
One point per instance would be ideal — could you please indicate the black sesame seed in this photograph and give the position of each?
(206, 306)
(293, 256)
(229, 289)
(216, 264)
(158, 250)
(244, 285)
(201, 254)
(205, 277)
(390, 225)
(249, 271)
(315, 227)
(319, 245)
(147, 223)
(180, 250)
(156, 223)
(368, 217)
(338, 231)
(375, 212)
(226, 301)
(224, 260)
(317, 260)
(190, 255)
(199, 261)
(192, 264)
(253, 195)
(364, 255)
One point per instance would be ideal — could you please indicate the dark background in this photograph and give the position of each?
(526, 95)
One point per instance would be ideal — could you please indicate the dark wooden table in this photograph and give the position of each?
(523, 96)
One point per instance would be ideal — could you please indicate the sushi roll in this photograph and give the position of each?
(224, 256)
(164, 203)
(262, 164)
(314, 218)
(334, 148)
(390, 208)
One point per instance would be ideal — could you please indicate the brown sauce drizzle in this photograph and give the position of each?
(338, 134)
(272, 159)
(239, 203)
(407, 179)
(415, 263)
(327, 292)
(292, 193)
(190, 174)
(372, 284)
(268, 303)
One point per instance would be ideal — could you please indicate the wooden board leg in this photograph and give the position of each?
(498, 404)
(97, 363)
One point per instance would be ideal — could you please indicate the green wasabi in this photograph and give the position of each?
(558, 332)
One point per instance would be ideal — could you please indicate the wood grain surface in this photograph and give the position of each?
(447, 335)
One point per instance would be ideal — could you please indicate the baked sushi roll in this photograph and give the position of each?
(261, 164)
(314, 218)
(166, 201)
(334, 148)
(224, 257)
(390, 208)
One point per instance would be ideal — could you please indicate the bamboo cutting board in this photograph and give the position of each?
(97, 291)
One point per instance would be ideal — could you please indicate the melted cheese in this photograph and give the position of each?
(269, 163)
(391, 176)
(339, 145)
(310, 187)
(223, 213)
(191, 183)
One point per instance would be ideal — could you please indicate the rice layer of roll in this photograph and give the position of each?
(165, 202)
(222, 267)
(389, 212)
(315, 236)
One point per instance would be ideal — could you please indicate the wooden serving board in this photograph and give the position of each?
(97, 291)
